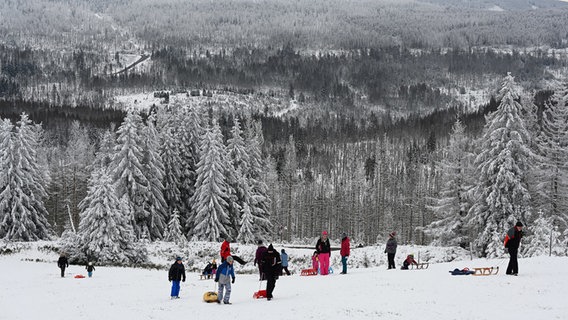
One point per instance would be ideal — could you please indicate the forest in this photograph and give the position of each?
(354, 116)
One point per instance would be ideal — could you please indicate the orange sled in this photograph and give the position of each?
(259, 294)
(79, 276)
(309, 272)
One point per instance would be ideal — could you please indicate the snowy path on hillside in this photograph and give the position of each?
(31, 290)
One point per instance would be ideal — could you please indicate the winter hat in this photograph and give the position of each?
(270, 247)
(90, 263)
(344, 235)
(324, 233)
(178, 258)
(229, 259)
(519, 224)
(259, 242)
(392, 234)
(283, 251)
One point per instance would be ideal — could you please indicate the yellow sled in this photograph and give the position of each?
(210, 296)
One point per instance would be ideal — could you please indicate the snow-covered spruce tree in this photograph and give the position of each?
(155, 204)
(236, 175)
(501, 196)
(174, 232)
(259, 202)
(449, 227)
(211, 190)
(127, 171)
(544, 238)
(169, 152)
(105, 233)
(23, 213)
(246, 231)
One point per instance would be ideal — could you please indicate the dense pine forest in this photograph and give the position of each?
(351, 116)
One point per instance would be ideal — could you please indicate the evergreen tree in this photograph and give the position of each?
(246, 232)
(128, 171)
(169, 152)
(105, 233)
(236, 175)
(155, 224)
(544, 238)
(24, 217)
(449, 227)
(211, 190)
(174, 232)
(501, 196)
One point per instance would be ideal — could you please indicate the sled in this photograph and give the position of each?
(259, 294)
(462, 272)
(79, 276)
(420, 266)
(487, 271)
(309, 272)
(210, 296)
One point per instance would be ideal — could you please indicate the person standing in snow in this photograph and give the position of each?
(225, 275)
(315, 261)
(175, 275)
(345, 251)
(226, 251)
(324, 252)
(390, 249)
(512, 243)
(284, 258)
(272, 265)
(90, 268)
(260, 251)
(62, 263)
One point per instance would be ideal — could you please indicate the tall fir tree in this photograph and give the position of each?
(449, 227)
(128, 172)
(22, 183)
(169, 152)
(211, 189)
(106, 234)
(174, 233)
(501, 196)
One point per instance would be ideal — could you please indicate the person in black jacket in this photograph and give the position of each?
(323, 248)
(272, 267)
(176, 274)
(90, 268)
(512, 243)
(62, 263)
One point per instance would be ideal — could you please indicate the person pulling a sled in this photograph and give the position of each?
(512, 243)
(175, 275)
(260, 251)
(225, 275)
(408, 261)
(272, 267)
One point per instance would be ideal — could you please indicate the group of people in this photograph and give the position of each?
(63, 263)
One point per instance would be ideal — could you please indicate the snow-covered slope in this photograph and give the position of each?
(34, 290)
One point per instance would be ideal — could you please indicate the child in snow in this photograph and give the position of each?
(213, 266)
(225, 276)
(408, 261)
(284, 258)
(315, 260)
(90, 268)
(176, 274)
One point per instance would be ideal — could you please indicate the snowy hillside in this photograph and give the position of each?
(364, 293)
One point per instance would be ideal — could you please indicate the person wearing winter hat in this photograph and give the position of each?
(225, 275)
(90, 268)
(323, 248)
(344, 252)
(390, 249)
(226, 251)
(260, 251)
(512, 243)
(272, 267)
(175, 275)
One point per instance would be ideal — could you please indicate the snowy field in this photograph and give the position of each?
(34, 290)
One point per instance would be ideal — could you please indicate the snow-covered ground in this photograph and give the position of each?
(31, 289)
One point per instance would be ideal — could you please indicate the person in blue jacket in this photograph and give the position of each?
(284, 258)
(225, 275)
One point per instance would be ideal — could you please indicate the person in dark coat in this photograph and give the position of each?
(512, 243)
(271, 265)
(176, 274)
(260, 251)
(390, 249)
(323, 247)
(345, 251)
(90, 268)
(62, 263)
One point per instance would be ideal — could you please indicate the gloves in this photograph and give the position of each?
(216, 280)
(183, 280)
(233, 280)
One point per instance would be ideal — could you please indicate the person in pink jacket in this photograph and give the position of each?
(315, 261)
(345, 250)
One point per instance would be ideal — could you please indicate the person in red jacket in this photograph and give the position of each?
(344, 252)
(226, 251)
